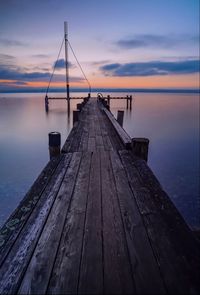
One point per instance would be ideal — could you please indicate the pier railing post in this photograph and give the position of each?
(120, 117)
(54, 144)
(140, 147)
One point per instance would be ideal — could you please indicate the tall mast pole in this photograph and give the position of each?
(66, 59)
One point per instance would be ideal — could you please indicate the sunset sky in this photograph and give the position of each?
(120, 44)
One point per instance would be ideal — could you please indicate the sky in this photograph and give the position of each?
(119, 44)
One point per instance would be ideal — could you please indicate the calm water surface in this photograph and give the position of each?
(170, 121)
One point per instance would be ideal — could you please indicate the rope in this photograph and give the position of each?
(80, 66)
(76, 61)
(54, 67)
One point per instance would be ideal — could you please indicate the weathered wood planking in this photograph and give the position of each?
(48, 243)
(177, 254)
(125, 138)
(11, 229)
(15, 264)
(65, 274)
(144, 265)
(98, 222)
(118, 278)
(91, 268)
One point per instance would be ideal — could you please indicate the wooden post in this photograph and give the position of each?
(120, 117)
(131, 102)
(54, 144)
(108, 99)
(140, 147)
(127, 101)
(46, 103)
(79, 106)
(75, 116)
(107, 107)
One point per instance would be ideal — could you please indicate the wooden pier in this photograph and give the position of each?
(97, 221)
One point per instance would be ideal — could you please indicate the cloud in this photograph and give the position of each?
(6, 57)
(98, 63)
(19, 76)
(10, 42)
(151, 68)
(149, 40)
(16, 73)
(40, 55)
(60, 64)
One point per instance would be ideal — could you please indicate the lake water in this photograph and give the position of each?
(170, 121)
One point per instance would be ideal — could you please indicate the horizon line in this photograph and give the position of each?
(102, 89)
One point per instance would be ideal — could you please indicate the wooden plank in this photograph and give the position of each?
(114, 137)
(99, 142)
(37, 275)
(84, 141)
(85, 134)
(125, 138)
(177, 255)
(91, 144)
(91, 270)
(65, 274)
(75, 142)
(107, 143)
(12, 227)
(68, 142)
(118, 277)
(144, 265)
(15, 265)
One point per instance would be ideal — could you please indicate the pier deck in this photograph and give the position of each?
(97, 221)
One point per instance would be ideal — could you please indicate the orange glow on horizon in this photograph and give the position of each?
(173, 81)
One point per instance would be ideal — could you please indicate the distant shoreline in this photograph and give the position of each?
(144, 90)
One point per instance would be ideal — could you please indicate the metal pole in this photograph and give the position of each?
(66, 59)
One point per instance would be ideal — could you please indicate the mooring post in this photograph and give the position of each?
(140, 147)
(127, 98)
(85, 100)
(120, 117)
(108, 99)
(79, 106)
(54, 144)
(131, 102)
(75, 116)
(46, 103)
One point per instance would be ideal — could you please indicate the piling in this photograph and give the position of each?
(75, 116)
(46, 103)
(108, 100)
(79, 106)
(140, 147)
(131, 102)
(54, 144)
(120, 117)
(127, 98)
